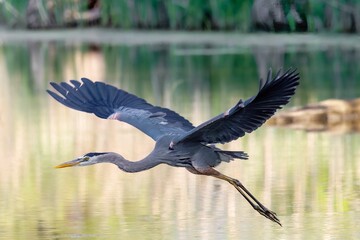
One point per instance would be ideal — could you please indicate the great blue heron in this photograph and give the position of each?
(178, 142)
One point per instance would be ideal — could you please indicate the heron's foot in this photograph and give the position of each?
(267, 213)
(255, 203)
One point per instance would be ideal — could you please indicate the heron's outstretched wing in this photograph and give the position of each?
(106, 101)
(247, 116)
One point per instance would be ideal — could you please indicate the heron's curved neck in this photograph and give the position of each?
(130, 166)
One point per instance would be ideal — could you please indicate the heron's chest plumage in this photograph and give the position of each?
(187, 154)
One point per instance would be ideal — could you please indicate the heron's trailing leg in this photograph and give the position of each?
(258, 206)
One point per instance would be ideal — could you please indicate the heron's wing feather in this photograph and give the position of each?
(247, 116)
(108, 102)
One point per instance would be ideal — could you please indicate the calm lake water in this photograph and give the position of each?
(310, 179)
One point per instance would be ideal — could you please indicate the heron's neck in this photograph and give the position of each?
(130, 166)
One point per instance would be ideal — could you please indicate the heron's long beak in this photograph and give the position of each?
(70, 163)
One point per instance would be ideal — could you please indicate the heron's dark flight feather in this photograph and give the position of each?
(247, 116)
(105, 100)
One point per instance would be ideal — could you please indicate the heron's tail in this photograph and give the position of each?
(234, 154)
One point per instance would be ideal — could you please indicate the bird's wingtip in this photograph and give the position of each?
(86, 80)
(53, 84)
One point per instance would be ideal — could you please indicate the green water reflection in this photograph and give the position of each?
(310, 179)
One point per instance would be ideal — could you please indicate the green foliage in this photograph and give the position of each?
(334, 16)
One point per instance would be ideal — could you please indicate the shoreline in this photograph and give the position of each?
(122, 37)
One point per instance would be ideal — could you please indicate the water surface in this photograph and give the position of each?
(311, 179)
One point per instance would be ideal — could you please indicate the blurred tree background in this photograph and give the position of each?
(205, 15)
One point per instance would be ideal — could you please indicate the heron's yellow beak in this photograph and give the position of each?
(68, 164)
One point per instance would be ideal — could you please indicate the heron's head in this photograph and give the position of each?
(86, 160)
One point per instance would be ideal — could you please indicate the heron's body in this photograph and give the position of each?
(178, 142)
(189, 155)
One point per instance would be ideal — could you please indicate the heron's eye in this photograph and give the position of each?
(86, 158)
